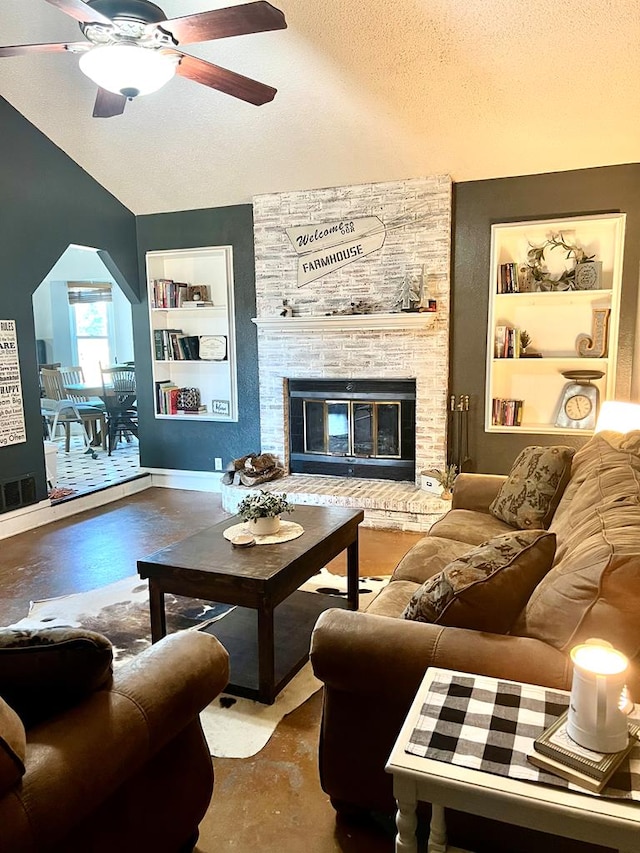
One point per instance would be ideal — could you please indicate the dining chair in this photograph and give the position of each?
(74, 375)
(119, 395)
(57, 409)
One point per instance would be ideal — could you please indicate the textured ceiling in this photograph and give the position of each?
(367, 91)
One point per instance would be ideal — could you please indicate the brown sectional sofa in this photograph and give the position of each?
(372, 663)
(124, 770)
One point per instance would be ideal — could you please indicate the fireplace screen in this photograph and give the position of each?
(353, 428)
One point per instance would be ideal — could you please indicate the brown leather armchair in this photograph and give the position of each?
(125, 769)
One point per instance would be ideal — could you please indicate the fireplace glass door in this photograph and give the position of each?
(352, 428)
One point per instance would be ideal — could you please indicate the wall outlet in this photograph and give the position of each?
(217, 464)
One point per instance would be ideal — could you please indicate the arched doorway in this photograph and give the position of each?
(82, 319)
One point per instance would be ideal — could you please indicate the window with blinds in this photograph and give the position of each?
(90, 305)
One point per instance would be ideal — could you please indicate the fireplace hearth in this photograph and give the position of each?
(353, 427)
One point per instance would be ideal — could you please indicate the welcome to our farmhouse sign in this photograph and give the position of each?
(12, 429)
(330, 246)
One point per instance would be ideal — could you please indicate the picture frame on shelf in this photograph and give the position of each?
(220, 408)
(198, 293)
(588, 276)
(213, 347)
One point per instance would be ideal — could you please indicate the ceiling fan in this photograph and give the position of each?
(132, 49)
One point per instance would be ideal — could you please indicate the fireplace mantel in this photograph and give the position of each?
(337, 322)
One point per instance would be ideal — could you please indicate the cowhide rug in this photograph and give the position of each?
(234, 727)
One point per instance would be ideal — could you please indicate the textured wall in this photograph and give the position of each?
(417, 218)
(48, 202)
(479, 204)
(193, 445)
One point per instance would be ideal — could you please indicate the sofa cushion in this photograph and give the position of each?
(593, 589)
(45, 670)
(486, 588)
(13, 747)
(428, 557)
(534, 487)
(392, 600)
(469, 526)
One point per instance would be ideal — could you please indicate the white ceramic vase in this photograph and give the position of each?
(264, 526)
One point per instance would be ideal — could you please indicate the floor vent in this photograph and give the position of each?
(17, 493)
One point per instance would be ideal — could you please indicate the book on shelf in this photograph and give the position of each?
(166, 397)
(555, 751)
(506, 412)
(167, 293)
(507, 342)
(190, 347)
(200, 304)
(508, 281)
(174, 345)
(199, 410)
(158, 345)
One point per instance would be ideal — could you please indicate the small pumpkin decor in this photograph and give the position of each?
(261, 512)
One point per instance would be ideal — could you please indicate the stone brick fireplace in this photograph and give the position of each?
(321, 340)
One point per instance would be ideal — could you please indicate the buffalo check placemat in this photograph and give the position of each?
(489, 724)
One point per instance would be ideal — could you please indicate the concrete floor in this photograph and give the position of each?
(272, 801)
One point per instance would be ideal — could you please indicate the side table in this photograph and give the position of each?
(609, 822)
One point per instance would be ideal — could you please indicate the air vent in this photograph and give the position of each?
(15, 494)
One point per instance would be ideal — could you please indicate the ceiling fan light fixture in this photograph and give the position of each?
(127, 69)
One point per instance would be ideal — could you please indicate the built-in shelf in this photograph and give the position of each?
(337, 322)
(536, 388)
(209, 268)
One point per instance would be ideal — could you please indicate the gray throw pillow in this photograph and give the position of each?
(45, 670)
(532, 492)
(486, 589)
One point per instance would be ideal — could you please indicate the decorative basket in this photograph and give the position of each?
(188, 398)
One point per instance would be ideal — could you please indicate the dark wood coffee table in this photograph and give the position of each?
(259, 578)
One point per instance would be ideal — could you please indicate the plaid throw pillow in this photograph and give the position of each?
(538, 477)
(487, 588)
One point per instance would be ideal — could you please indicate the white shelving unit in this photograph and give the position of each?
(554, 320)
(211, 266)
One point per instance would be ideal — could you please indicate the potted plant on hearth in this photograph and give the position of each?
(262, 511)
(446, 478)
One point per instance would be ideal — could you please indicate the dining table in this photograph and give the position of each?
(117, 407)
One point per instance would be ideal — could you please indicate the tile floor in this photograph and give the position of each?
(79, 474)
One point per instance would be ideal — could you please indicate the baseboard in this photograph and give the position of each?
(196, 481)
(44, 512)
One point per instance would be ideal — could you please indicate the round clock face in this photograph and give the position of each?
(578, 407)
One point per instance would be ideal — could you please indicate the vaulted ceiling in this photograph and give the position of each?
(368, 90)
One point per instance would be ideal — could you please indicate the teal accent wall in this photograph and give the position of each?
(48, 202)
(192, 445)
(480, 204)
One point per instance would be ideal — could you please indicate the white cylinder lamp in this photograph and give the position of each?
(595, 719)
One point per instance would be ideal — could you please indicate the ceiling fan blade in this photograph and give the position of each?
(19, 49)
(108, 104)
(80, 11)
(225, 81)
(255, 17)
